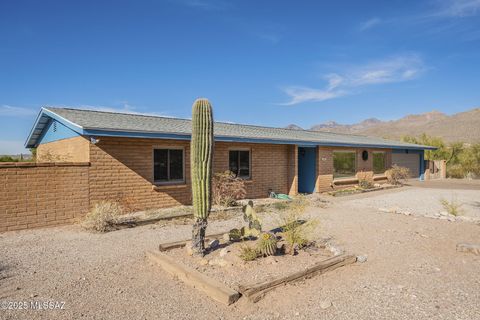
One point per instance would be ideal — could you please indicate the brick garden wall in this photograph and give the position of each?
(36, 195)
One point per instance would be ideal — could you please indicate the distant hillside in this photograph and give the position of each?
(463, 126)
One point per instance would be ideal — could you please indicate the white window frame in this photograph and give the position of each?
(249, 160)
(169, 182)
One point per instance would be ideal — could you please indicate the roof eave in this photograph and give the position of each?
(39, 126)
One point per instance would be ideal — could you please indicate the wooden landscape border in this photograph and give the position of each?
(253, 292)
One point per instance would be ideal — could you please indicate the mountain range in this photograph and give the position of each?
(462, 126)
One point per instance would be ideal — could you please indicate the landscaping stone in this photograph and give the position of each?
(214, 244)
(325, 304)
(188, 249)
(469, 248)
(363, 258)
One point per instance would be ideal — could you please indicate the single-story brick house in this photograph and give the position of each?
(146, 158)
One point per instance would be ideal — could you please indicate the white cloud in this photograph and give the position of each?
(370, 23)
(11, 111)
(394, 69)
(457, 8)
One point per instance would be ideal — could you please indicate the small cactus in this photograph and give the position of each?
(250, 216)
(267, 244)
(201, 153)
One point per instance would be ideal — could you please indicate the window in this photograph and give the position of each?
(239, 163)
(168, 165)
(378, 162)
(344, 164)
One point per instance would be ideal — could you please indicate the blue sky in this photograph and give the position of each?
(260, 62)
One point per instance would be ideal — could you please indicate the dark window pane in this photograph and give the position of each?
(379, 162)
(343, 164)
(233, 162)
(160, 167)
(176, 164)
(244, 171)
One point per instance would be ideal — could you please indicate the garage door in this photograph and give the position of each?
(408, 160)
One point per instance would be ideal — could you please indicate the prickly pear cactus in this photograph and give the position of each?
(201, 158)
(267, 244)
(250, 216)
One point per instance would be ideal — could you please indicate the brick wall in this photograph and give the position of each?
(122, 169)
(74, 149)
(36, 195)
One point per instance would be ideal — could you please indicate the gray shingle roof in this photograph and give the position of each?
(135, 123)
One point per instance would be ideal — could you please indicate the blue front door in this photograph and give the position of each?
(306, 169)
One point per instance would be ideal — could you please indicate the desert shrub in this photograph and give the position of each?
(281, 205)
(397, 175)
(297, 231)
(453, 207)
(103, 216)
(456, 171)
(227, 189)
(248, 253)
(365, 184)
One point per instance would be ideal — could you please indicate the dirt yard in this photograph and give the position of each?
(412, 272)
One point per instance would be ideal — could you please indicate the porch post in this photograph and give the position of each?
(292, 177)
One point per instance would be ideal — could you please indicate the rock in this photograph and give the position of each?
(363, 258)
(407, 213)
(325, 304)
(469, 248)
(226, 237)
(213, 244)
(443, 213)
(203, 262)
(333, 249)
(224, 252)
(188, 248)
(383, 210)
(218, 262)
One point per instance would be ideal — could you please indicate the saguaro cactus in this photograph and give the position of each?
(201, 158)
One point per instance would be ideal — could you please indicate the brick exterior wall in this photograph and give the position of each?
(74, 149)
(122, 169)
(364, 169)
(36, 195)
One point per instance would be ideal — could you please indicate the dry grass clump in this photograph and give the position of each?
(103, 216)
(453, 207)
(296, 230)
(397, 175)
(248, 253)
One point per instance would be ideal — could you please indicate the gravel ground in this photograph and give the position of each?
(412, 272)
(425, 201)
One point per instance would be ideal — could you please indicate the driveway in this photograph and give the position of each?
(412, 272)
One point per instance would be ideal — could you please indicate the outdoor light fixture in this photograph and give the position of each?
(94, 140)
(365, 155)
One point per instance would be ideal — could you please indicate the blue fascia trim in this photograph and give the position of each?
(62, 132)
(75, 127)
(33, 142)
(35, 124)
(154, 135)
